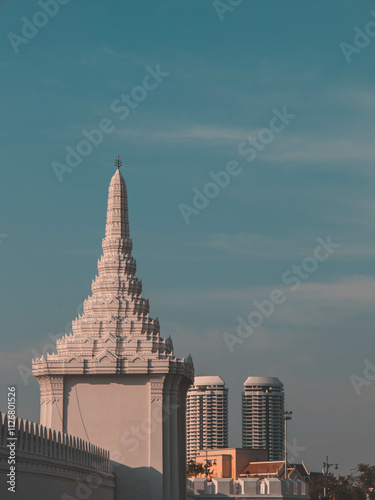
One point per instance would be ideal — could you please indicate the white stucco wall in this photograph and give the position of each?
(110, 413)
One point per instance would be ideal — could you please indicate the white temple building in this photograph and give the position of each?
(114, 381)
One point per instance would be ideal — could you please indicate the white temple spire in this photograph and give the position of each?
(116, 306)
(115, 370)
(117, 212)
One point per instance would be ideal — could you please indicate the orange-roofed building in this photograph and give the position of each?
(229, 462)
(275, 469)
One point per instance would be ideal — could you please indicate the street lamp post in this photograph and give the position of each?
(326, 467)
(286, 415)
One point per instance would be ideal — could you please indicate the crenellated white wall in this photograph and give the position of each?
(52, 465)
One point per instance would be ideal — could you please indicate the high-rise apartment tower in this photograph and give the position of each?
(206, 415)
(262, 423)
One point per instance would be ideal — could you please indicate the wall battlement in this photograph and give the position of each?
(34, 438)
(52, 465)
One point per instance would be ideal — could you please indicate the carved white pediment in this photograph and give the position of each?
(137, 359)
(105, 356)
(109, 337)
(74, 361)
(130, 339)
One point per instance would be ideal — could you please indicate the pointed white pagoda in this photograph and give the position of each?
(114, 381)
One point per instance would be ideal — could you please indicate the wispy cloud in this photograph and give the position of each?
(255, 246)
(195, 132)
(313, 148)
(355, 289)
(250, 245)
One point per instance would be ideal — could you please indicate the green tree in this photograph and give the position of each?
(364, 479)
(319, 483)
(351, 487)
(316, 486)
(206, 468)
(345, 489)
(194, 468)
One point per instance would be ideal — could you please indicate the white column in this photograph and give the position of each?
(183, 389)
(166, 439)
(43, 399)
(174, 438)
(53, 413)
(156, 437)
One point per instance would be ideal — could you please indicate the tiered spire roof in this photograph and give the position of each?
(116, 305)
(115, 328)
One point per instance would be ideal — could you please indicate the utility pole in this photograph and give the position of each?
(286, 415)
(325, 471)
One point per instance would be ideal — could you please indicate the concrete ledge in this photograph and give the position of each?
(248, 489)
(249, 486)
(223, 486)
(47, 478)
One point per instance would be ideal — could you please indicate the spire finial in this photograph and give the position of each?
(118, 163)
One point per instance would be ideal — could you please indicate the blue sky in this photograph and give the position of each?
(316, 178)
